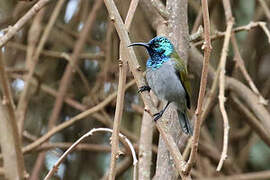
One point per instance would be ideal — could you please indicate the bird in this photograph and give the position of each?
(167, 77)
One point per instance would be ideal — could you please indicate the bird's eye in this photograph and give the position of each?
(156, 45)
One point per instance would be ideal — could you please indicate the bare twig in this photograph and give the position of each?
(230, 22)
(222, 96)
(222, 65)
(121, 92)
(62, 158)
(14, 29)
(247, 27)
(207, 52)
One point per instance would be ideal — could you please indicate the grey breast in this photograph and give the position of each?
(166, 84)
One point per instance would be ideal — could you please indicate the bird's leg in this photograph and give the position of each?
(144, 88)
(159, 114)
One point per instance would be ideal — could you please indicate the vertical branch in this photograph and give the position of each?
(222, 65)
(221, 96)
(207, 51)
(120, 92)
(9, 136)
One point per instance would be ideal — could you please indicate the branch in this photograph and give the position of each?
(222, 92)
(15, 28)
(207, 52)
(62, 158)
(120, 92)
(247, 27)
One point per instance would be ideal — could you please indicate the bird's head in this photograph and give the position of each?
(158, 47)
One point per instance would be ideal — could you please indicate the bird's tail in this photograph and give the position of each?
(185, 123)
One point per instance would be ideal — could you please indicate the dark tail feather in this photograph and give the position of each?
(185, 124)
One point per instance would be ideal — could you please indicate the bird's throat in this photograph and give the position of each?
(156, 62)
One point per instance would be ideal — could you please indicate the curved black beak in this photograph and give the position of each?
(139, 44)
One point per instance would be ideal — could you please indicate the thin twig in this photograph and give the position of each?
(247, 27)
(207, 52)
(123, 67)
(16, 27)
(62, 158)
(222, 65)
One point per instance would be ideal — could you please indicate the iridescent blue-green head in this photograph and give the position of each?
(159, 50)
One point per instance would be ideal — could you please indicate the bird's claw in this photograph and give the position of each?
(144, 88)
(158, 115)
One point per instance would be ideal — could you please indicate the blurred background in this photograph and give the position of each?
(94, 79)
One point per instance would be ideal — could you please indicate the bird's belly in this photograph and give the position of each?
(166, 85)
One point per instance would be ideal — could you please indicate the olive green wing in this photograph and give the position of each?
(182, 73)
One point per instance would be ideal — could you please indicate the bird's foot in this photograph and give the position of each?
(158, 115)
(144, 88)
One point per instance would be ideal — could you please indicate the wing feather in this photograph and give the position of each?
(182, 73)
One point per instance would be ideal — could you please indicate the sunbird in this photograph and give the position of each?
(167, 77)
